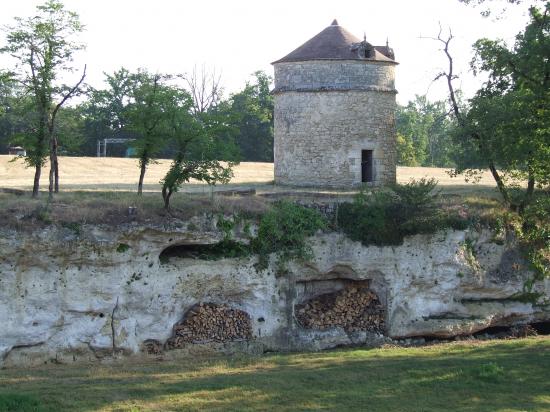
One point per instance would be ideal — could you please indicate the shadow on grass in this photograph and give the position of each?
(511, 376)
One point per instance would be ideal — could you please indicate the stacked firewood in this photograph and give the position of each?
(353, 308)
(208, 322)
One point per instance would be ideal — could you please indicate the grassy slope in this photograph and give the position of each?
(488, 376)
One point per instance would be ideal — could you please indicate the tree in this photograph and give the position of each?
(424, 131)
(147, 115)
(7, 101)
(6, 87)
(70, 130)
(195, 148)
(507, 125)
(252, 110)
(406, 153)
(43, 47)
(106, 111)
(213, 113)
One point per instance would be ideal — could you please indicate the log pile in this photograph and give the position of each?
(353, 308)
(208, 322)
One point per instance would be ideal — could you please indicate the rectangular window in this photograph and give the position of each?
(367, 166)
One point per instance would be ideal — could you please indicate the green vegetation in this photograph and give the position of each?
(283, 230)
(251, 114)
(225, 248)
(424, 132)
(527, 297)
(506, 126)
(534, 233)
(122, 248)
(385, 217)
(158, 117)
(21, 403)
(480, 376)
(43, 47)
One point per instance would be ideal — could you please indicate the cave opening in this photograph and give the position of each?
(206, 251)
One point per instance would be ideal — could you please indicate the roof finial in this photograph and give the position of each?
(387, 42)
(334, 23)
(364, 37)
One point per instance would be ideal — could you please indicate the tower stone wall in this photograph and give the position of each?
(335, 113)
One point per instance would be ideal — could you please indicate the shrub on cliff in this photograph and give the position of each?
(535, 235)
(283, 230)
(385, 217)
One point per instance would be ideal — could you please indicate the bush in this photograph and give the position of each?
(417, 194)
(535, 235)
(284, 230)
(385, 217)
(371, 221)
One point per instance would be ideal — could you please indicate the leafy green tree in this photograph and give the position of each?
(43, 47)
(507, 126)
(424, 133)
(106, 111)
(406, 154)
(6, 86)
(196, 151)
(70, 130)
(414, 129)
(220, 126)
(147, 116)
(252, 110)
(7, 100)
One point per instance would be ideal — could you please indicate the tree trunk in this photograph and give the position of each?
(166, 194)
(528, 194)
(52, 170)
(500, 184)
(143, 166)
(50, 186)
(36, 185)
(56, 166)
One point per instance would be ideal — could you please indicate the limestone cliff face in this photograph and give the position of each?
(99, 293)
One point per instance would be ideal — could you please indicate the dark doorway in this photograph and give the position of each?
(366, 166)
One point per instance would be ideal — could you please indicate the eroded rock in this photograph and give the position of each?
(87, 298)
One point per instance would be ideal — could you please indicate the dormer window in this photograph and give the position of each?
(363, 49)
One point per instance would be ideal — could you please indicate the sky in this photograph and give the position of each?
(239, 37)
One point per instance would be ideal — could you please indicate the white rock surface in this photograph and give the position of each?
(66, 298)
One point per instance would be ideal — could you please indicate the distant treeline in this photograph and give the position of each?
(247, 117)
(423, 128)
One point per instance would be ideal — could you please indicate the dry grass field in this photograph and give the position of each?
(121, 174)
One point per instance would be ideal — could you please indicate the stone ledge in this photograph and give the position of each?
(336, 89)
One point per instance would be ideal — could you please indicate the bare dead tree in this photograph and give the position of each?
(205, 88)
(449, 76)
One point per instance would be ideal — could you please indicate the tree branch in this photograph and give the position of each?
(67, 97)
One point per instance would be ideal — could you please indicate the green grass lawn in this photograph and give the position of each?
(483, 376)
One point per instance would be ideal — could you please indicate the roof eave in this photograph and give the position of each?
(389, 61)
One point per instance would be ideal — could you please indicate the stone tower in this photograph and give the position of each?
(335, 112)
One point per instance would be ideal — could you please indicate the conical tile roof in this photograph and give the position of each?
(333, 43)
